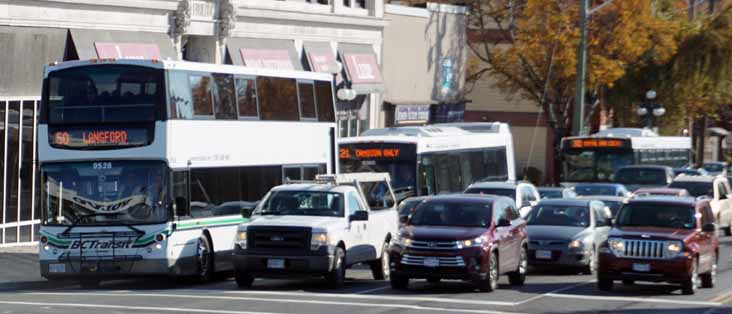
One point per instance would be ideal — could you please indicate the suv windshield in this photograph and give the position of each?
(656, 215)
(510, 193)
(437, 213)
(556, 215)
(302, 203)
(641, 176)
(696, 189)
(584, 190)
(116, 192)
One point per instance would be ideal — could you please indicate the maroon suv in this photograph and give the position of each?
(661, 239)
(465, 237)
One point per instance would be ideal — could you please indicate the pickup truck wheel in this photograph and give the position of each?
(380, 267)
(604, 284)
(337, 277)
(399, 282)
(204, 260)
(243, 280)
(490, 282)
(709, 280)
(691, 284)
(518, 277)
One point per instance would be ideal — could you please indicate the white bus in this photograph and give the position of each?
(433, 159)
(146, 166)
(596, 157)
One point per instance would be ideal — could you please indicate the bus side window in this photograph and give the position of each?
(224, 97)
(181, 197)
(181, 101)
(324, 98)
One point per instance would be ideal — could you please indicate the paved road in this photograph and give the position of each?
(543, 293)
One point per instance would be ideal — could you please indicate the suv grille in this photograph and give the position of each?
(278, 237)
(434, 245)
(644, 249)
(443, 261)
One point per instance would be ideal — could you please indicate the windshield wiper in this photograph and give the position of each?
(80, 218)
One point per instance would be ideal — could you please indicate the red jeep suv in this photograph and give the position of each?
(661, 239)
(465, 237)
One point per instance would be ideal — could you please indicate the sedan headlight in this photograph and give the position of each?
(241, 239)
(617, 246)
(673, 248)
(576, 244)
(317, 240)
(477, 242)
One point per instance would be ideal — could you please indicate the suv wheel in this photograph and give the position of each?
(337, 276)
(709, 280)
(691, 284)
(490, 283)
(380, 267)
(399, 282)
(518, 277)
(243, 280)
(204, 260)
(604, 283)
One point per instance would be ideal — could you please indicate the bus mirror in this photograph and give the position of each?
(181, 206)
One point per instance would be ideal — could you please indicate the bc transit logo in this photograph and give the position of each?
(97, 244)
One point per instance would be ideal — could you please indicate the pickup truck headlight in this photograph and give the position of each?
(317, 240)
(673, 248)
(241, 239)
(617, 246)
(477, 242)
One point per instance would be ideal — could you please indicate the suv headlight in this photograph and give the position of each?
(673, 248)
(318, 239)
(477, 242)
(617, 246)
(241, 238)
(399, 240)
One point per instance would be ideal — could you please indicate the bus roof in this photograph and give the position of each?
(193, 66)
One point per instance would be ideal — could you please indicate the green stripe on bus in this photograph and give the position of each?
(211, 222)
(56, 240)
(149, 238)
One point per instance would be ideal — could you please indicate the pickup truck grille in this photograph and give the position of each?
(278, 237)
(443, 261)
(434, 245)
(644, 249)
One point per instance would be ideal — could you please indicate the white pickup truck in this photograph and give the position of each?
(319, 228)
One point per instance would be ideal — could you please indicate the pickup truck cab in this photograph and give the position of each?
(319, 229)
(661, 239)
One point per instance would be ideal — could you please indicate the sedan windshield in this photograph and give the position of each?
(302, 203)
(585, 190)
(557, 215)
(510, 193)
(656, 215)
(437, 213)
(113, 192)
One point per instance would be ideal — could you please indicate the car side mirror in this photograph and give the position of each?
(709, 228)
(360, 215)
(403, 219)
(181, 207)
(503, 222)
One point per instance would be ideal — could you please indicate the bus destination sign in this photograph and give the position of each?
(598, 143)
(99, 138)
(373, 151)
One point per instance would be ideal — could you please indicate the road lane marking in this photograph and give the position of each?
(534, 298)
(632, 299)
(128, 307)
(372, 290)
(279, 300)
(375, 297)
(721, 297)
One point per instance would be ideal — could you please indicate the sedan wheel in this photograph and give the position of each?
(490, 283)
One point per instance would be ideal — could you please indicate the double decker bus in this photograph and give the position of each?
(146, 166)
(433, 159)
(596, 157)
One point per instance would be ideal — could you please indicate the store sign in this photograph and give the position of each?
(275, 59)
(321, 61)
(410, 114)
(99, 138)
(362, 68)
(127, 51)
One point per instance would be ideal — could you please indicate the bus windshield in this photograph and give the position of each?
(105, 93)
(594, 165)
(108, 192)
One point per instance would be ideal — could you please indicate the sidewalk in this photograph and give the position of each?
(19, 268)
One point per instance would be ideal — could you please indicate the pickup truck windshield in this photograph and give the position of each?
(656, 215)
(555, 215)
(302, 203)
(452, 214)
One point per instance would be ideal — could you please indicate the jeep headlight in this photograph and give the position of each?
(317, 240)
(241, 239)
(673, 248)
(617, 246)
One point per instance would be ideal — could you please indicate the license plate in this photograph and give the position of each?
(57, 268)
(641, 267)
(431, 262)
(543, 254)
(276, 263)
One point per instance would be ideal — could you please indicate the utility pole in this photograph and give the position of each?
(579, 105)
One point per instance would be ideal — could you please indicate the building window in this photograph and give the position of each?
(347, 3)
(201, 91)
(361, 4)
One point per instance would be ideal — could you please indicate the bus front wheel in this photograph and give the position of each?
(204, 260)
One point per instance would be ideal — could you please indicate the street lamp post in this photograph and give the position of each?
(651, 108)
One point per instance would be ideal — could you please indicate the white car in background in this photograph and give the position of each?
(523, 193)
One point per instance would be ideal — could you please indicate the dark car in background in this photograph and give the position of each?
(474, 238)
(635, 177)
(549, 192)
(612, 189)
(567, 233)
(661, 240)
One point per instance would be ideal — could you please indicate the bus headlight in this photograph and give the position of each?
(241, 239)
(317, 240)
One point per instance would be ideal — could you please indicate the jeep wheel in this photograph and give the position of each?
(692, 283)
(490, 283)
(604, 283)
(709, 280)
(518, 277)
(243, 280)
(337, 277)
(380, 267)
(204, 260)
